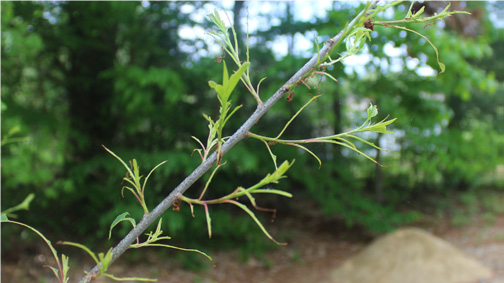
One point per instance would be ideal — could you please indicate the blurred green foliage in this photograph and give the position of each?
(75, 76)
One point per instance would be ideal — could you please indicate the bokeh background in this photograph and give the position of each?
(133, 76)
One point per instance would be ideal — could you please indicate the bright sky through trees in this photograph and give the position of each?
(302, 11)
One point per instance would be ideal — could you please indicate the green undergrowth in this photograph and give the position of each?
(482, 205)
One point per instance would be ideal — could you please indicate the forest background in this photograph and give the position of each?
(133, 76)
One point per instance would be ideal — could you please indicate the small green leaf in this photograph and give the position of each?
(273, 156)
(120, 218)
(105, 260)
(441, 65)
(215, 17)
(24, 205)
(273, 191)
(158, 229)
(356, 39)
(174, 247)
(366, 142)
(381, 127)
(278, 174)
(378, 129)
(26, 202)
(309, 151)
(421, 12)
(148, 175)
(295, 115)
(130, 189)
(372, 111)
(330, 76)
(225, 75)
(66, 267)
(213, 84)
(208, 220)
(54, 270)
(235, 78)
(231, 114)
(249, 212)
(409, 14)
(219, 89)
(122, 161)
(86, 249)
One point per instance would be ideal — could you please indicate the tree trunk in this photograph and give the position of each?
(91, 45)
(378, 184)
(238, 5)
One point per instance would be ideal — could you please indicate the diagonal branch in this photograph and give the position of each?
(241, 133)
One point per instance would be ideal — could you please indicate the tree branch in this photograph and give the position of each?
(241, 133)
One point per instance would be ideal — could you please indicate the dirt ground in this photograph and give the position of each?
(314, 250)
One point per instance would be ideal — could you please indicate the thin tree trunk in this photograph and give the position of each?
(237, 9)
(378, 184)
